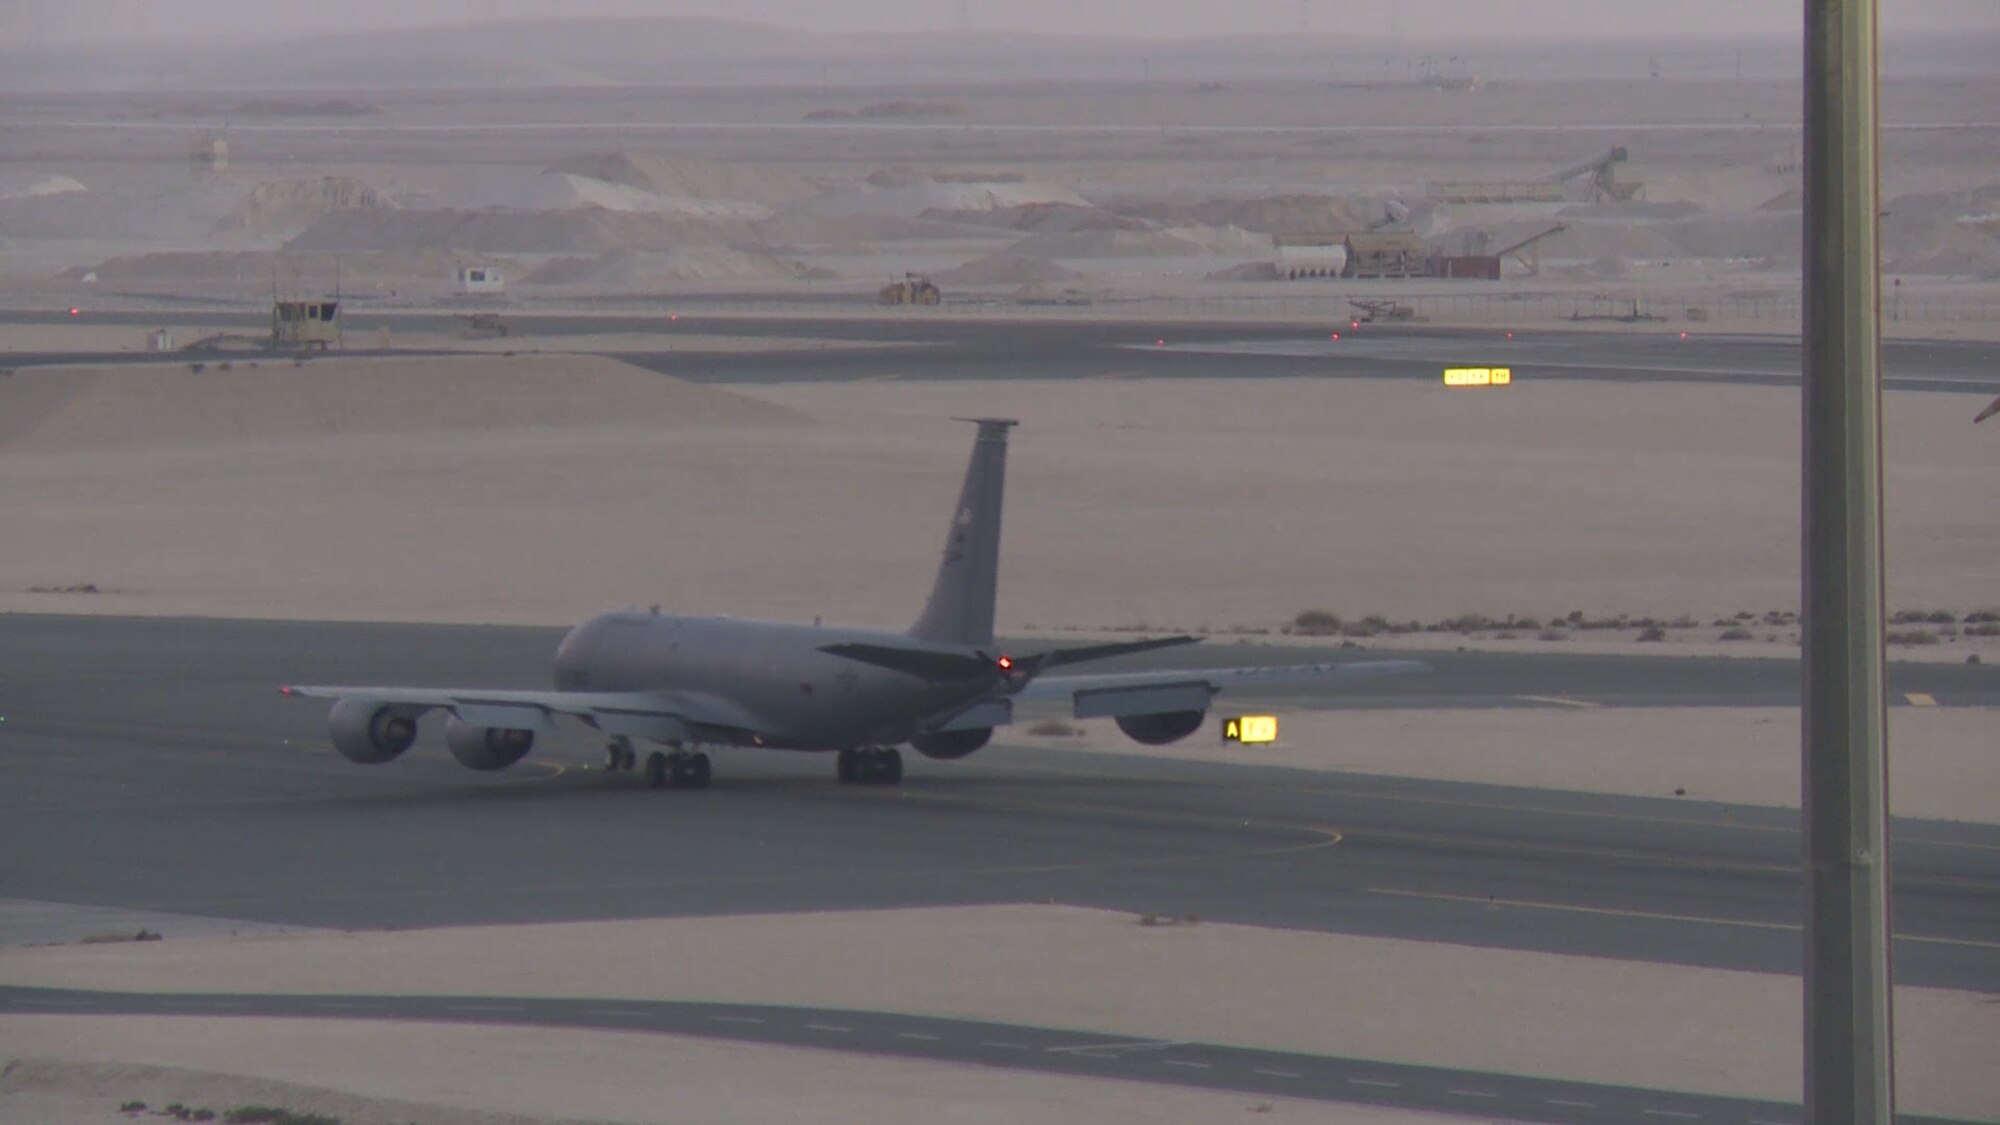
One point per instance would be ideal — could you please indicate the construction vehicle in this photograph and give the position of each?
(483, 326)
(1369, 311)
(914, 289)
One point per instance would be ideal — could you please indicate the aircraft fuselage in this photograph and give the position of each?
(794, 694)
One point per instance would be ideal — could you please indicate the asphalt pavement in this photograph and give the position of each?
(150, 771)
(961, 344)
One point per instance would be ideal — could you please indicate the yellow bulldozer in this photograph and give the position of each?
(914, 289)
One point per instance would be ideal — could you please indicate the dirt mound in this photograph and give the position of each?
(55, 409)
(798, 229)
(1182, 242)
(689, 177)
(34, 185)
(1107, 244)
(1248, 271)
(1009, 268)
(587, 230)
(289, 206)
(1282, 214)
(635, 269)
(257, 269)
(915, 194)
(1038, 218)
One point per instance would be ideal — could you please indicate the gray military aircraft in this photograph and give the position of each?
(686, 683)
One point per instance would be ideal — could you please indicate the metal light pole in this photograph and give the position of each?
(1848, 1060)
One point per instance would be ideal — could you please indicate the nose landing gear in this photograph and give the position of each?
(881, 765)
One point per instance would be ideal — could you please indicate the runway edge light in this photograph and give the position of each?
(1478, 376)
(1250, 728)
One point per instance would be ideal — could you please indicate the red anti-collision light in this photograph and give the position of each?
(1006, 662)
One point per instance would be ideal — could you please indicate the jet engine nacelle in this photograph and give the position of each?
(945, 745)
(1161, 728)
(486, 748)
(371, 733)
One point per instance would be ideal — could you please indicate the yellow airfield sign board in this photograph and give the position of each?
(1478, 376)
(1250, 728)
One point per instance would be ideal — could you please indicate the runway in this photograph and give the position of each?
(991, 345)
(149, 769)
(167, 740)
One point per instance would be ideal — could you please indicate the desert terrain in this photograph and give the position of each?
(476, 480)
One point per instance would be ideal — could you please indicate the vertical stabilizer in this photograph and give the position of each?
(961, 607)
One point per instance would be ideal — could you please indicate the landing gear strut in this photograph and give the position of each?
(678, 770)
(873, 766)
(619, 755)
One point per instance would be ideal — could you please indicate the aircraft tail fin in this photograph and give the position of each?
(960, 610)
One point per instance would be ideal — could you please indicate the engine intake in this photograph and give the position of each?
(486, 748)
(945, 745)
(371, 733)
(1162, 728)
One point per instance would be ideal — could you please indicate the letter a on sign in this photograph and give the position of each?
(1250, 728)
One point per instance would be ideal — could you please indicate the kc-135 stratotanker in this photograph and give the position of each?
(689, 684)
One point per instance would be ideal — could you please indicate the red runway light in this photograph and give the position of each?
(1336, 336)
(74, 311)
(1510, 335)
(1684, 335)
(1160, 343)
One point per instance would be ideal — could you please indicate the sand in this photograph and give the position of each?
(406, 1074)
(265, 401)
(361, 491)
(1623, 1023)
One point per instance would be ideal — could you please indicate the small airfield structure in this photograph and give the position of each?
(301, 325)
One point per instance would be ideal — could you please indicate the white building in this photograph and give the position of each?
(480, 281)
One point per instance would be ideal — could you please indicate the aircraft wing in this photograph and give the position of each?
(1113, 694)
(675, 716)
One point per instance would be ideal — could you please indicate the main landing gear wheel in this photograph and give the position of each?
(678, 770)
(883, 766)
(619, 755)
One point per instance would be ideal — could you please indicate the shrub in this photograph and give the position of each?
(1552, 635)
(1911, 637)
(1736, 633)
(1467, 623)
(1317, 621)
(1986, 630)
(1054, 728)
(1652, 633)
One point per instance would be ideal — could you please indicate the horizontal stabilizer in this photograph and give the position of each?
(1056, 658)
(925, 664)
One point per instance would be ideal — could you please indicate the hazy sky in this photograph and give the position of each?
(230, 19)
